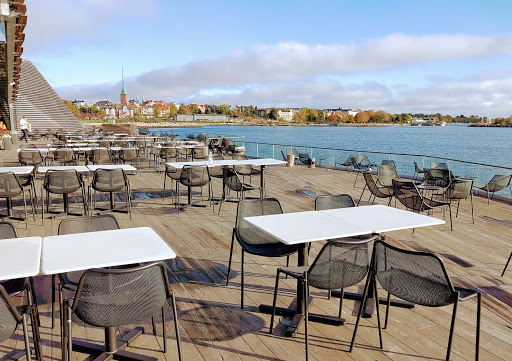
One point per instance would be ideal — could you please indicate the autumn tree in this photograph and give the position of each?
(173, 110)
(301, 116)
(362, 117)
(73, 108)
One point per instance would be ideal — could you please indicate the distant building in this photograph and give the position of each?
(79, 103)
(108, 107)
(124, 95)
(420, 122)
(286, 115)
(341, 112)
(125, 111)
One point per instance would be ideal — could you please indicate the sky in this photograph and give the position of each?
(423, 56)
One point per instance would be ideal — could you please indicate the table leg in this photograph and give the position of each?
(262, 182)
(9, 206)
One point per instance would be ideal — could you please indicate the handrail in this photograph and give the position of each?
(386, 153)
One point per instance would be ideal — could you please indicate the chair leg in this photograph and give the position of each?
(450, 339)
(472, 209)
(153, 325)
(388, 303)
(68, 333)
(176, 328)
(242, 284)
(25, 337)
(378, 314)
(342, 294)
(53, 301)
(360, 313)
(450, 210)
(164, 335)
(478, 319)
(361, 196)
(274, 301)
(306, 292)
(163, 195)
(506, 265)
(230, 257)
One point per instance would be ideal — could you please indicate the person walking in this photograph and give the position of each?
(23, 127)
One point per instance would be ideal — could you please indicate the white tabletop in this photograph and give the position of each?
(382, 219)
(302, 227)
(20, 257)
(77, 252)
(229, 162)
(125, 167)
(18, 170)
(78, 168)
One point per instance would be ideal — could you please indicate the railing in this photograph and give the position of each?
(329, 157)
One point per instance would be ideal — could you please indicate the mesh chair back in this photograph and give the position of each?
(109, 180)
(64, 155)
(186, 152)
(438, 177)
(360, 161)
(333, 201)
(112, 298)
(408, 195)
(120, 142)
(386, 173)
(140, 143)
(98, 155)
(339, 264)
(416, 277)
(245, 169)
(232, 180)
(388, 162)
(305, 158)
(30, 157)
(167, 153)
(255, 207)
(380, 192)
(9, 316)
(418, 169)
(62, 181)
(173, 173)
(9, 185)
(200, 152)
(498, 182)
(128, 154)
(438, 166)
(459, 189)
(7, 230)
(104, 143)
(98, 223)
(194, 176)
(217, 172)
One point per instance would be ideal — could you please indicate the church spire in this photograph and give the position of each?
(123, 96)
(123, 89)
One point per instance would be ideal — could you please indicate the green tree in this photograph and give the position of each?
(157, 112)
(73, 108)
(173, 110)
(274, 113)
(301, 116)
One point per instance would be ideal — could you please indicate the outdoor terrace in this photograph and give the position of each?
(212, 325)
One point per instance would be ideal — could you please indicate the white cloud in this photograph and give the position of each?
(294, 74)
(52, 23)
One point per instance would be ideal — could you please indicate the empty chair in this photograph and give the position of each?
(64, 182)
(460, 189)
(104, 143)
(129, 155)
(497, 183)
(168, 154)
(254, 241)
(174, 174)
(120, 143)
(361, 163)
(245, 169)
(407, 194)
(438, 177)
(112, 298)
(386, 173)
(348, 164)
(99, 156)
(418, 171)
(305, 159)
(388, 162)
(110, 181)
(233, 182)
(185, 153)
(199, 153)
(140, 144)
(10, 187)
(417, 277)
(64, 156)
(30, 157)
(195, 176)
(340, 264)
(69, 280)
(376, 190)
(333, 202)
(12, 316)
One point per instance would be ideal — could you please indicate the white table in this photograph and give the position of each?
(18, 170)
(125, 167)
(82, 251)
(78, 168)
(262, 162)
(303, 227)
(20, 257)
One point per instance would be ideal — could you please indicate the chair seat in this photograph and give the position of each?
(465, 293)
(295, 272)
(269, 249)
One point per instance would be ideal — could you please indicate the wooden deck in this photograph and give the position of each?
(212, 325)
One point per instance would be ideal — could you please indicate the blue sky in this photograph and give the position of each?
(452, 57)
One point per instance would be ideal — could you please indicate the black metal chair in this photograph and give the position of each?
(254, 241)
(11, 187)
(418, 171)
(174, 174)
(460, 189)
(30, 157)
(99, 156)
(69, 280)
(199, 153)
(377, 191)
(506, 265)
(245, 169)
(12, 316)
(195, 176)
(417, 277)
(233, 182)
(497, 183)
(110, 181)
(130, 155)
(62, 182)
(408, 194)
(305, 159)
(64, 156)
(360, 164)
(112, 298)
(386, 173)
(167, 154)
(340, 264)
